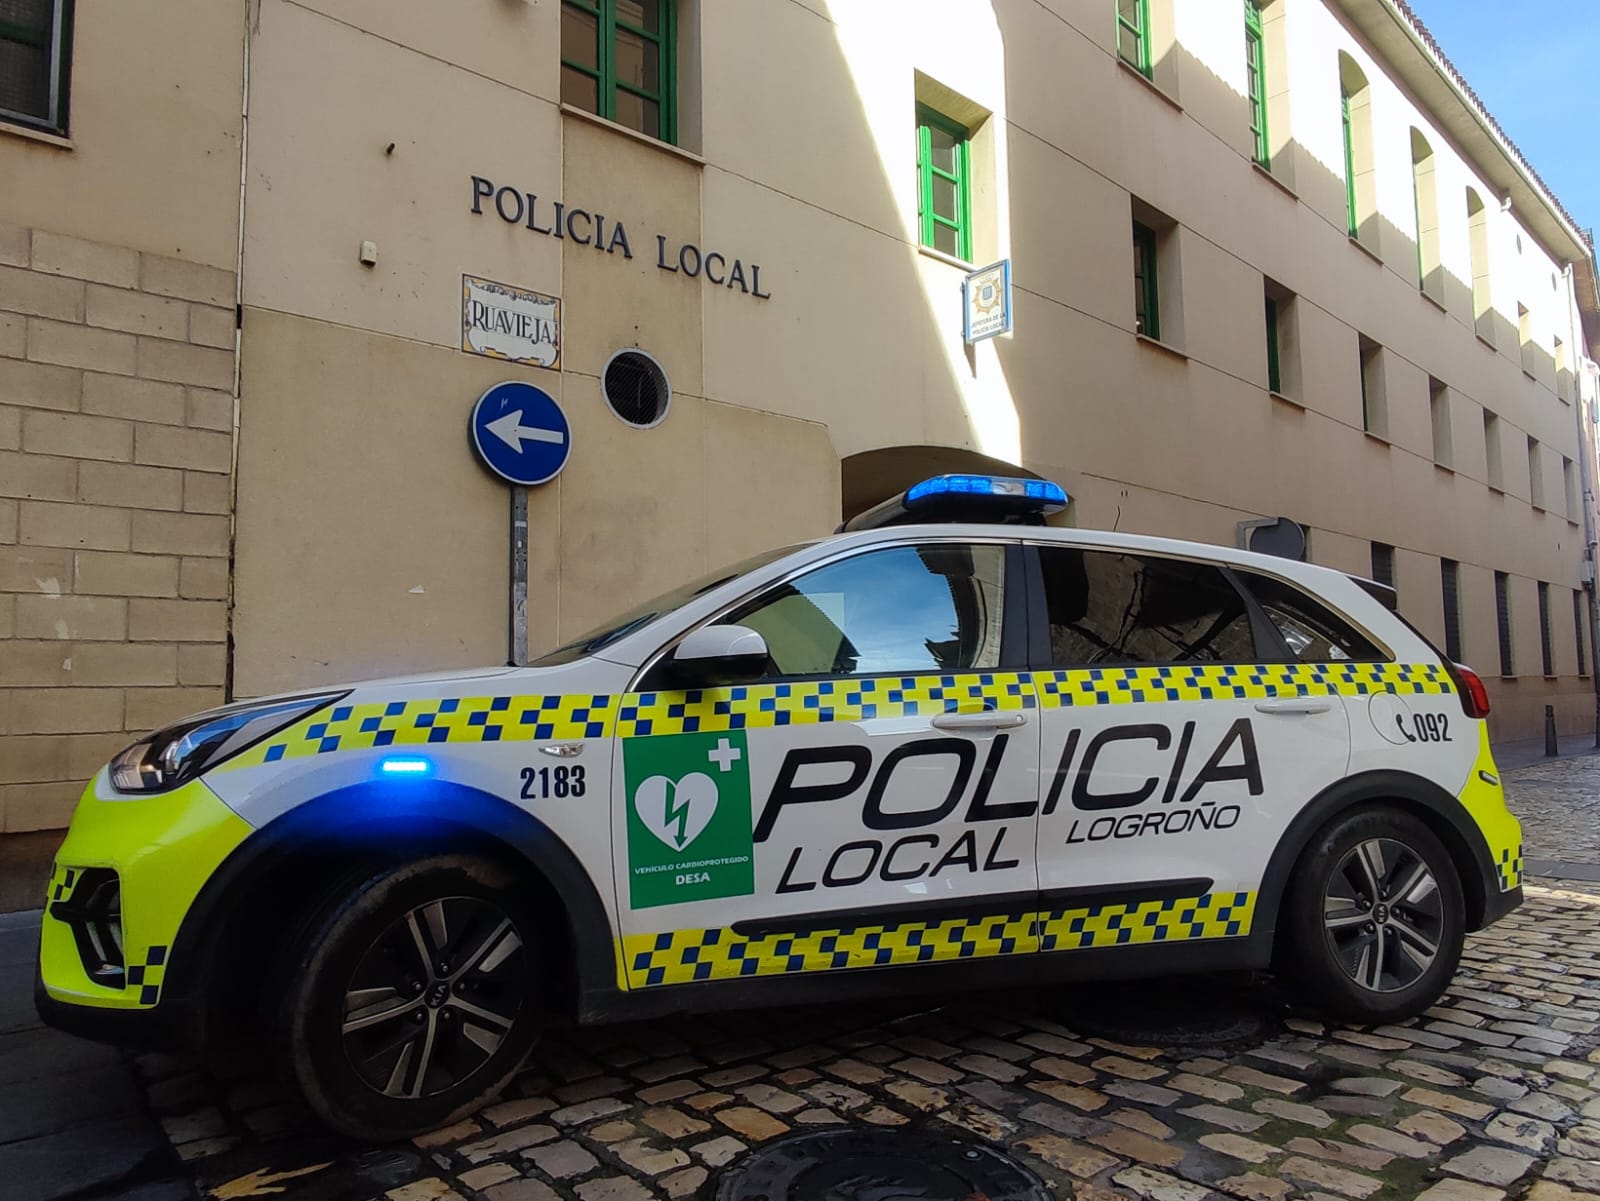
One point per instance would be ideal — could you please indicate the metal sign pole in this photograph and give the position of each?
(519, 576)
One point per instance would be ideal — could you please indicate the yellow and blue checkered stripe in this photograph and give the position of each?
(687, 956)
(756, 706)
(1509, 868)
(1250, 681)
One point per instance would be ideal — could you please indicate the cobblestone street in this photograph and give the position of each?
(1493, 1094)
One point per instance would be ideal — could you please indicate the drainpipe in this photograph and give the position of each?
(1585, 381)
(252, 24)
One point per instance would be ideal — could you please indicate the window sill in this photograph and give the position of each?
(1489, 342)
(1537, 508)
(583, 114)
(1444, 467)
(37, 135)
(949, 260)
(1379, 439)
(1266, 173)
(1433, 300)
(1496, 490)
(1529, 374)
(1365, 249)
(1155, 87)
(1573, 522)
(1282, 398)
(1164, 347)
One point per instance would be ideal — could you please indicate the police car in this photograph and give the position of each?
(947, 747)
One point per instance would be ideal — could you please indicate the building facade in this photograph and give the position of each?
(1267, 259)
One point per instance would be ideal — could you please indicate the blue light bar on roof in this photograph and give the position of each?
(1051, 496)
(1005, 500)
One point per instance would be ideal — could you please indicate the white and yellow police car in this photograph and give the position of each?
(947, 747)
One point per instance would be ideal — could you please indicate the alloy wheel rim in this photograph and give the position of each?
(1384, 915)
(434, 997)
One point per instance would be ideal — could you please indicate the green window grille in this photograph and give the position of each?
(1450, 588)
(1349, 164)
(1502, 616)
(944, 191)
(1274, 369)
(1256, 71)
(1547, 657)
(1146, 297)
(1133, 34)
(1577, 629)
(619, 61)
(35, 62)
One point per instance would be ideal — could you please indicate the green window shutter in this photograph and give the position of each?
(1274, 374)
(1349, 164)
(1256, 71)
(1133, 34)
(619, 61)
(35, 63)
(1146, 294)
(944, 190)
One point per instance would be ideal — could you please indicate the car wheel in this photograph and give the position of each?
(412, 1003)
(1375, 917)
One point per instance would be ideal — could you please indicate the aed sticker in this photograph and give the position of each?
(689, 827)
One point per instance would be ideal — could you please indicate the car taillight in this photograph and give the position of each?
(1474, 696)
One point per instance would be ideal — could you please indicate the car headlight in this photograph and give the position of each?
(180, 752)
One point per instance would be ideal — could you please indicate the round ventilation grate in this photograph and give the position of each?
(880, 1165)
(636, 388)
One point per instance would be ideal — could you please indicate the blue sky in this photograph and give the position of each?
(1532, 75)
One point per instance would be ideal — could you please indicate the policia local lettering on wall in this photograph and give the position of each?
(557, 220)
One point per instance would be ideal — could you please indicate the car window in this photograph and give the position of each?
(1314, 632)
(938, 607)
(640, 616)
(1105, 607)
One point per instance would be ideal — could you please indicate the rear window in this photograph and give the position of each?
(1314, 632)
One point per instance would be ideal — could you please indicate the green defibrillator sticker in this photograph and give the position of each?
(689, 829)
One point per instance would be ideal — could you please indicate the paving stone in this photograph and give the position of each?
(718, 1151)
(1201, 1086)
(673, 1123)
(1550, 1190)
(773, 1100)
(587, 1111)
(522, 1190)
(1130, 1144)
(985, 1123)
(493, 1173)
(1063, 1069)
(447, 1135)
(1144, 1094)
(1473, 1111)
(1230, 1119)
(612, 1132)
(1499, 1088)
(1236, 1146)
(1324, 1175)
(927, 1070)
(1580, 1173)
(816, 1116)
(684, 1183)
(563, 1160)
(1158, 1186)
(503, 1144)
(1251, 1078)
(669, 1090)
(751, 1123)
(639, 1154)
(1055, 1045)
(882, 1115)
(1253, 1186)
(990, 1067)
(1138, 1119)
(702, 1102)
(1085, 1099)
(1367, 1086)
(1460, 1190)
(839, 1096)
(1293, 1111)
(1434, 1127)
(1428, 1073)
(1131, 1069)
(1489, 1165)
(421, 1190)
(1297, 1060)
(1516, 1130)
(613, 1188)
(1539, 1105)
(1068, 1155)
(1390, 1141)
(1347, 1154)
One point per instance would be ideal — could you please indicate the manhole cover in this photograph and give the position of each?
(1171, 1014)
(878, 1165)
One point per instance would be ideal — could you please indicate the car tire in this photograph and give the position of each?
(1375, 918)
(384, 1043)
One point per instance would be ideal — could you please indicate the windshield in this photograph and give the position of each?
(642, 615)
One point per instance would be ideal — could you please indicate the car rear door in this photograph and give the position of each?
(870, 801)
(1178, 743)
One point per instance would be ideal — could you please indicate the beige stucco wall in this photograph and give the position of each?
(118, 248)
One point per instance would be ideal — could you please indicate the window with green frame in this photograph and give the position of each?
(944, 184)
(619, 61)
(1349, 164)
(1256, 73)
(35, 62)
(1133, 34)
(1146, 295)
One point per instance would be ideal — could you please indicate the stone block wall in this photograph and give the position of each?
(116, 467)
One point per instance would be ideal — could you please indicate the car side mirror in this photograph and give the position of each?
(716, 655)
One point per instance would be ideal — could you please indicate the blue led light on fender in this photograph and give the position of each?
(405, 767)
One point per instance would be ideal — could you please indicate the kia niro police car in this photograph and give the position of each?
(947, 747)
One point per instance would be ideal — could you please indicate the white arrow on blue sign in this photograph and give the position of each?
(520, 433)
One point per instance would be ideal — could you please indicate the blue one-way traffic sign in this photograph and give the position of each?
(521, 433)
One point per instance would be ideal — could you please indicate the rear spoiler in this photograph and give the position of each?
(1384, 594)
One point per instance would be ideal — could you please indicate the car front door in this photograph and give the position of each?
(1178, 740)
(868, 801)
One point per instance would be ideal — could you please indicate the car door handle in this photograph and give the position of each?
(988, 719)
(1304, 704)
